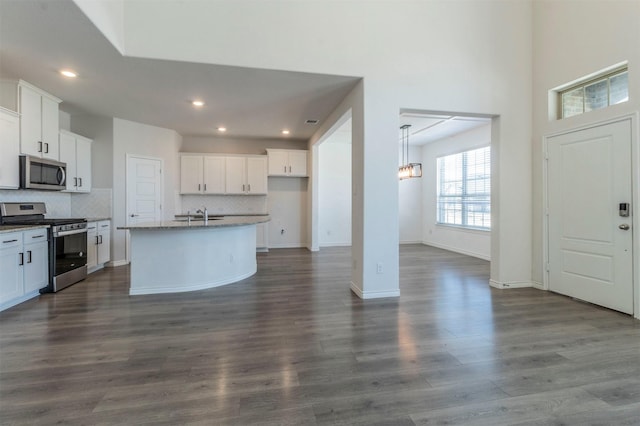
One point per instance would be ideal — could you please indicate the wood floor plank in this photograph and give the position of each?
(292, 345)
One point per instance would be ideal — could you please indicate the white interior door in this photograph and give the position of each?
(144, 191)
(590, 243)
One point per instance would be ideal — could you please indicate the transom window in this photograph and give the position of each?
(597, 93)
(464, 189)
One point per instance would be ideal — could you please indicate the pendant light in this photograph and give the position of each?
(408, 170)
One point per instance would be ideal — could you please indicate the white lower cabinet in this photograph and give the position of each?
(98, 244)
(261, 237)
(24, 265)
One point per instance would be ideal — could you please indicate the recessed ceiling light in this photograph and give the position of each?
(222, 129)
(68, 73)
(198, 103)
(285, 132)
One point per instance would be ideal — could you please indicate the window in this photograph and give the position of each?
(600, 92)
(464, 189)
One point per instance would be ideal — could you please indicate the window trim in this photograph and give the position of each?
(583, 83)
(461, 227)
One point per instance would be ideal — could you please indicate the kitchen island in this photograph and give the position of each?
(185, 255)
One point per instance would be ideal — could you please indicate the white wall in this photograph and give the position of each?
(410, 201)
(287, 206)
(470, 242)
(334, 192)
(489, 72)
(100, 130)
(222, 145)
(150, 141)
(566, 49)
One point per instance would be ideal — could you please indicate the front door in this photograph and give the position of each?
(590, 240)
(144, 191)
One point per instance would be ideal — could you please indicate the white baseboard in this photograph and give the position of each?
(412, 242)
(373, 294)
(539, 286)
(510, 284)
(262, 250)
(346, 244)
(287, 245)
(116, 263)
(457, 250)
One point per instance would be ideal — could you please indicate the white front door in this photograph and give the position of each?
(589, 242)
(144, 191)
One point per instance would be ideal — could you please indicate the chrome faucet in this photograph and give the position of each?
(205, 214)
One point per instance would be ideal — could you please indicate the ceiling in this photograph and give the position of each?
(38, 38)
(426, 127)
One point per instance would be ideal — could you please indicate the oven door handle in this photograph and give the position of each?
(72, 232)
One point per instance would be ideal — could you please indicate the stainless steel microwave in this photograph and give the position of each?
(42, 173)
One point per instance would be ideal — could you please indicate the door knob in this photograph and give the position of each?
(624, 227)
(134, 215)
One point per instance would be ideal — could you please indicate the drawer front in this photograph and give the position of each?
(35, 236)
(10, 240)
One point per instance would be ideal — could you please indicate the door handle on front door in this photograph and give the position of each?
(134, 215)
(624, 227)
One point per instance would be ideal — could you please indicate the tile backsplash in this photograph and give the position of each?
(224, 204)
(58, 203)
(63, 204)
(95, 204)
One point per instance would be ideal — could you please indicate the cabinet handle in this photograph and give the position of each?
(75, 181)
(198, 187)
(39, 146)
(243, 187)
(9, 241)
(205, 187)
(46, 147)
(289, 169)
(104, 226)
(37, 236)
(97, 240)
(29, 256)
(249, 188)
(285, 169)
(21, 259)
(80, 179)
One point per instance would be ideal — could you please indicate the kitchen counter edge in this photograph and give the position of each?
(199, 224)
(5, 229)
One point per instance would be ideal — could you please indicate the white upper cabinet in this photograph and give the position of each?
(257, 175)
(191, 167)
(202, 174)
(10, 148)
(220, 174)
(39, 119)
(247, 175)
(214, 175)
(285, 162)
(75, 150)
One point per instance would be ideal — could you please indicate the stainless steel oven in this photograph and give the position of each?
(67, 242)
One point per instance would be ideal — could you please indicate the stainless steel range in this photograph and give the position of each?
(67, 242)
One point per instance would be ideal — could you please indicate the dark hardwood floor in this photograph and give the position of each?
(293, 346)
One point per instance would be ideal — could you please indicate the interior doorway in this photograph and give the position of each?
(144, 191)
(448, 207)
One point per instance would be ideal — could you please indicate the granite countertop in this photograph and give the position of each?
(13, 228)
(214, 222)
(213, 215)
(97, 219)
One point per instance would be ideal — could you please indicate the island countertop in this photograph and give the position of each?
(217, 222)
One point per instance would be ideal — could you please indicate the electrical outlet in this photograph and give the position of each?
(378, 268)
